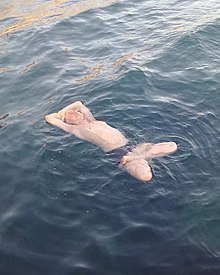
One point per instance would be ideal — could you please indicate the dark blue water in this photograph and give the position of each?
(148, 68)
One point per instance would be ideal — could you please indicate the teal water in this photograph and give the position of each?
(148, 68)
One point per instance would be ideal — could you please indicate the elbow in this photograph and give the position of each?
(46, 118)
(79, 103)
(146, 177)
(50, 118)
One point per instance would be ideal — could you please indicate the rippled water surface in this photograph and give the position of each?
(148, 68)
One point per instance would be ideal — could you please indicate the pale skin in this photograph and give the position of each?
(77, 119)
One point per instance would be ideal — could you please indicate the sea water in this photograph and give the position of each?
(147, 68)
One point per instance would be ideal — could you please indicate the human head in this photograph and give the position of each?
(73, 117)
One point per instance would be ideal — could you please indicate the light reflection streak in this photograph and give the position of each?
(28, 13)
(45, 12)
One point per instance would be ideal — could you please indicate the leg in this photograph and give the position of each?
(161, 149)
(150, 151)
(139, 169)
(137, 153)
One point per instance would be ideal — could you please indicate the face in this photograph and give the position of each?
(74, 117)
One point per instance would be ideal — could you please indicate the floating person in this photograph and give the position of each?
(77, 119)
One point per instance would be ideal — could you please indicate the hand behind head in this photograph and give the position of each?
(74, 117)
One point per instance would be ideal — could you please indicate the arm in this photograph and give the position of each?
(74, 106)
(78, 106)
(86, 112)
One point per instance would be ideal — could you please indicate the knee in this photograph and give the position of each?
(144, 173)
(145, 176)
(173, 146)
(139, 169)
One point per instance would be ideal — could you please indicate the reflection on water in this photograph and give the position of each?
(28, 66)
(94, 72)
(181, 20)
(3, 70)
(3, 122)
(29, 13)
(97, 70)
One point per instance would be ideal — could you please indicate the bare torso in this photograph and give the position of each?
(79, 121)
(99, 133)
